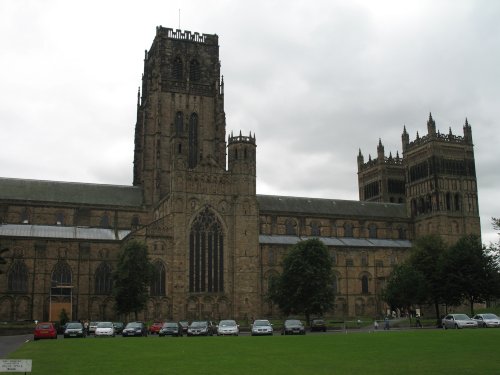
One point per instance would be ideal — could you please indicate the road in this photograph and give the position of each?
(9, 344)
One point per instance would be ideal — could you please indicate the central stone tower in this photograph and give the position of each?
(203, 235)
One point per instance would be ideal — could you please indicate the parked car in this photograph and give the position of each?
(155, 327)
(74, 329)
(262, 327)
(170, 329)
(118, 327)
(184, 324)
(92, 327)
(318, 325)
(293, 327)
(487, 320)
(45, 330)
(105, 329)
(199, 328)
(458, 321)
(135, 329)
(228, 327)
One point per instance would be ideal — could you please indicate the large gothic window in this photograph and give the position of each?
(157, 286)
(206, 254)
(61, 279)
(364, 284)
(103, 279)
(193, 140)
(18, 277)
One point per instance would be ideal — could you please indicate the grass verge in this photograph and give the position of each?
(394, 352)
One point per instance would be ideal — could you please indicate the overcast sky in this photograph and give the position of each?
(315, 80)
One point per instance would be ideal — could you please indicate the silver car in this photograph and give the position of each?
(458, 321)
(228, 327)
(487, 320)
(262, 327)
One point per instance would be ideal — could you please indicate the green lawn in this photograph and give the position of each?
(395, 352)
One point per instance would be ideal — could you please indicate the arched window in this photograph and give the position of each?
(177, 68)
(59, 218)
(206, 254)
(448, 201)
(18, 277)
(105, 221)
(347, 230)
(194, 70)
(179, 123)
(364, 284)
(364, 259)
(193, 141)
(315, 230)
(290, 227)
(103, 279)
(457, 202)
(134, 223)
(372, 231)
(61, 279)
(157, 286)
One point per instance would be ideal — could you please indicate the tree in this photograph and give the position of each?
(472, 273)
(405, 287)
(306, 284)
(131, 278)
(426, 258)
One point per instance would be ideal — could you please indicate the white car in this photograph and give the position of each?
(262, 327)
(228, 327)
(487, 320)
(458, 321)
(105, 329)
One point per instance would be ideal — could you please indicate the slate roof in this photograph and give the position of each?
(330, 207)
(334, 241)
(70, 192)
(55, 231)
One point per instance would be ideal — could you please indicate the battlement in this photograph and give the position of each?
(186, 35)
(440, 137)
(241, 139)
(389, 161)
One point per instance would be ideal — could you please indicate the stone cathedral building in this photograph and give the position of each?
(213, 241)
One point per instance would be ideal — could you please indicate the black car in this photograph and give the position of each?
(184, 324)
(170, 329)
(118, 327)
(318, 325)
(74, 329)
(200, 328)
(293, 327)
(135, 329)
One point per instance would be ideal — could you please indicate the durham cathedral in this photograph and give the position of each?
(213, 241)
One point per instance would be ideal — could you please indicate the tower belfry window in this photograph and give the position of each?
(193, 141)
(177, 68)
(194, 70)
(179, 123)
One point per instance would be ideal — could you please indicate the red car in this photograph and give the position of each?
(155, 327)
(45, 331)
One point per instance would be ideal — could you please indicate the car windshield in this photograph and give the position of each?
(261, 323)
(198, 324)
(73, 325)
(227, 323)
(44, 326)
(293, 323)
(93, 323)
(490, 316)
(170, 325)
(105, 325)
(118, 324)
(461, 317)
(318, 321)
(134, 325)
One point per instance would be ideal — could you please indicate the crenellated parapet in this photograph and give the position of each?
(211, 39)
(241, 139)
